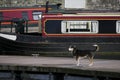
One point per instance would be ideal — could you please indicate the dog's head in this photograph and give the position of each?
(97, 47)
(71, 48)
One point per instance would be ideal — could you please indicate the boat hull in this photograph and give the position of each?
(57, 46)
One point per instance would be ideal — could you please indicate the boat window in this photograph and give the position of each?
(25, 15)
(118, 27)
(79, 27)
(1, 16)
(36, 15)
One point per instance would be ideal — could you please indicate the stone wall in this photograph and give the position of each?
(91, 4)
(22, 3)
(103, 4)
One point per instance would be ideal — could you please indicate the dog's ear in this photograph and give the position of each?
(72, 46)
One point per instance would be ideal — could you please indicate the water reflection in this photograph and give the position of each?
(76, 78)
(38, 76)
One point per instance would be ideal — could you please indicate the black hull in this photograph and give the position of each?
(29, 44)
(58, 46)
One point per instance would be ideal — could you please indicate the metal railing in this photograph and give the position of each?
(15, 25)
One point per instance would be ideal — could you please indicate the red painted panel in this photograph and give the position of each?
(30, 15)
(10, 15)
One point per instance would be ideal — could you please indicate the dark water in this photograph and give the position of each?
(30, 76)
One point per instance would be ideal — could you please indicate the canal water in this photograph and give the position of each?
(32, 76)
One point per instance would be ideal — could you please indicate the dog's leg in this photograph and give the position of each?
(91, 61)
(77, 60)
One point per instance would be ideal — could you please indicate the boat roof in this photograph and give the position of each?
(94, 14)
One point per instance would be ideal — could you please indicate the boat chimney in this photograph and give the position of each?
(47, 3)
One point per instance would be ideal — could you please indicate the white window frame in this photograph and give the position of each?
(36, 15)
(66, 26)
(118, 27)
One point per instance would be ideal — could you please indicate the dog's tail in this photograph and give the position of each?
(96, 47)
